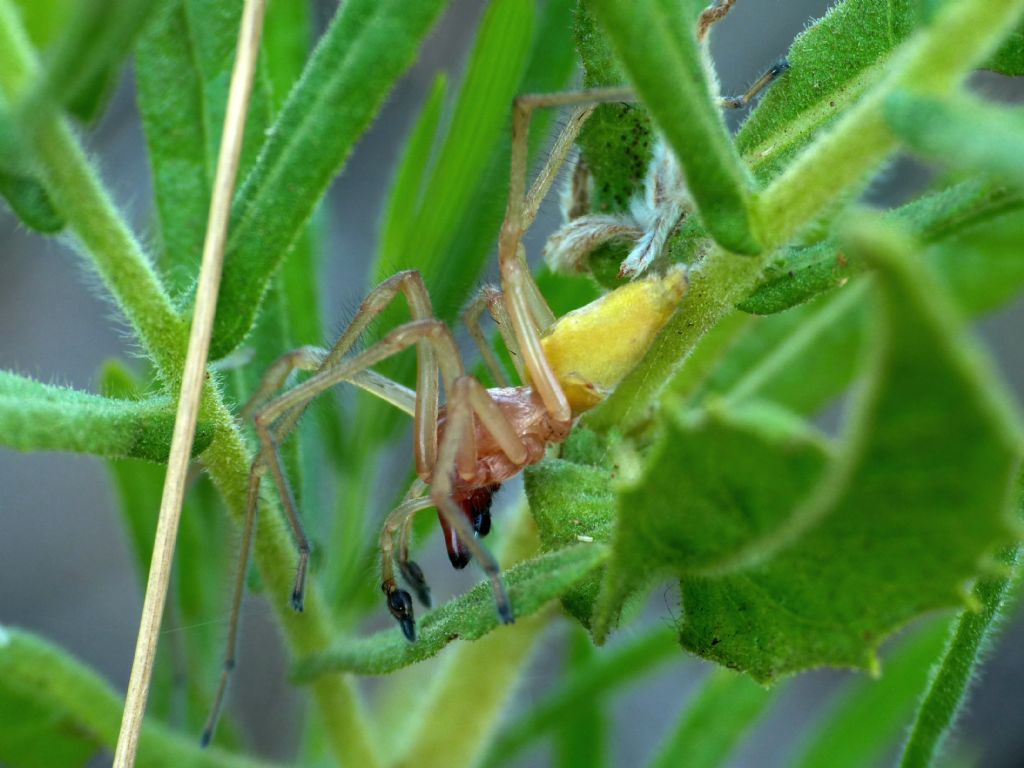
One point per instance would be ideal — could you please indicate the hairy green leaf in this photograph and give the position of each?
(954, 216)
(833, 63)
(361, 55)
(42, 417)
(658, 49)
(715, 488)
(86, 64)
(964, 133)
(883, 538)
(183, 69)
(531, 585)
(20, 184)
(81, 709)
(713, 724)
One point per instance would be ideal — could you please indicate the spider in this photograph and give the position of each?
(479, 438)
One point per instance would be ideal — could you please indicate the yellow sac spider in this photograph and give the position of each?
(480, 437)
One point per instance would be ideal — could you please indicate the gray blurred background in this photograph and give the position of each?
(65, 570)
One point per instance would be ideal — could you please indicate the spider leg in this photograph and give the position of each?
(489, 298)
(711, 15)
(399, 602)
(278, 416)
(459, 425)
(772, 74)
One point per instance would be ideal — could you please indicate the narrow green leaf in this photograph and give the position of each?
(364, 51)
(20, 185)
(82, 708)
(613, 667)
(951, 680)
(867, 715)
(34, 736)
(531, 585)
(966, 134)
(1009, 59)
(582, 737)
(477, 132)
(955, 214)
(407, 187)
(287, 39)
(46, 20)
(41, 417)
(658, 49)
(85, 66)
(714, 723)
(183, 69)
(883, 538)
(833, 62)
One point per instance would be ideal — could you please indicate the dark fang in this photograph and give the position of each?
(482, 523)
(413, 575)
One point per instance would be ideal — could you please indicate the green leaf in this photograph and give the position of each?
(950, 681)
(833, 62)
(81, 709)
(86, 64)
(1009, 59)
(367, 47)
(570, 498)
(806, 356)
(657, 46)
(716, 487)
(861, 722)
(714, 723)
(41, 417)
(183, 70)
(35, 736)
(45, 20)
(582, 737)
(883, 538)
(407, 187)
(966, 134)
(956, 214)
(611, 668)
(531, 585)
(20, 184)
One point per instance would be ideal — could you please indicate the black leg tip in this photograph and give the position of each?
(408, 629)
(780, 67)
(505, 614)
(413, 575)
(298, 601)
(205, 739)
(400, 606)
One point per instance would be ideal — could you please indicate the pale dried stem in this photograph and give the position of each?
(193, 377)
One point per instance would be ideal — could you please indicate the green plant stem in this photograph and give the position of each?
(42, 673)
(119, 258)
(951, 679)
(935, 60)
